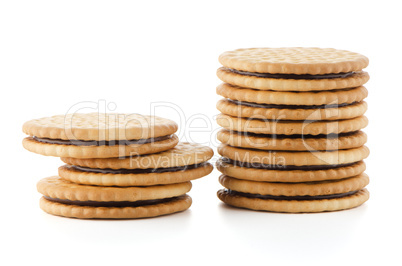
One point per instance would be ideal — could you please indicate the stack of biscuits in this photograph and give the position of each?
(291, 137)
(118, 166)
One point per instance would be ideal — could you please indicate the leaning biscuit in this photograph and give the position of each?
(279, 127)
(127, 178)
(181, 155)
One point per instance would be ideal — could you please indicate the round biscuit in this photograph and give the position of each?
(295, 206)
(341, 96)
(302, 85)
(58, 188)
(100, 126)
(294, 158)
(273, 175)
(178, 204)
(294, 60)
(331, 113)
(284, 127)
(126, 180)
(102, 151)
(316, 188)
(273, 142)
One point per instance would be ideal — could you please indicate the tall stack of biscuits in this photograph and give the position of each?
(291, 137)
(117, 165)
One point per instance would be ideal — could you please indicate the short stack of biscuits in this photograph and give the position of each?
(291, 137)
(118, 166)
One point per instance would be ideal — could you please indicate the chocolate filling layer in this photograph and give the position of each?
(292, 76)
(283, 167)
(137, 171)
(295, 136)
(100, 143)
(280, 106)
(320, 197)
(110, 203)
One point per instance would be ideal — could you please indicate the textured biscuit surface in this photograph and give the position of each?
(58, 188)
(295, 206)
(292, 98)
(294, 60)
(296, 189)
(182, 154)
(300, 158)
(264, 142)
(147, 179)
(331, 113)
(275, 84)
(272, 175)
(104, 151)
(84, 212)
(279, 127)
(97, 126)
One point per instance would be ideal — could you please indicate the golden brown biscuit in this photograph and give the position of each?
(280, 127)
(281, 175)
(98, 151)
(292, 98)
(58, 188)
(174, 205)
(71, 173)
(183, 154)
(280, 84)
(294, 206)
(292, 142)
(64, 198)
(97, 135)
(294, 60)
(291, 112)
(280, 159)
(100, 126)
(316, 188)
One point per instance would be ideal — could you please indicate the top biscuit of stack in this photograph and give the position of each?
(293, 69)
(97, 135)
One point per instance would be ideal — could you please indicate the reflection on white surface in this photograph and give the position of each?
(279, 232)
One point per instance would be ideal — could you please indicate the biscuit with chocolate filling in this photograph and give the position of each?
(293, 142)
(97, 135)
(185, 162)
(306, 204)
(291, 112)
(293, 159)
(286, 127)
(64, 198)
(293, 68)
(284, 174)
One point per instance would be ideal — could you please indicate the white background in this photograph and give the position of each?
(57, 54)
